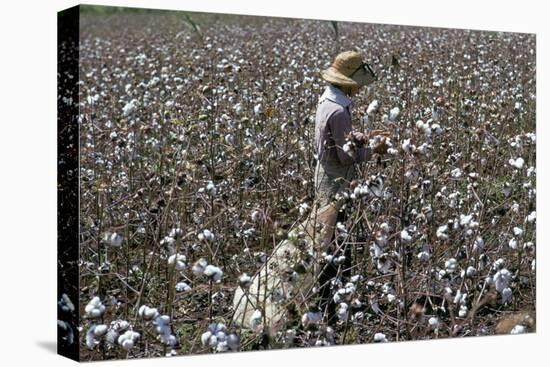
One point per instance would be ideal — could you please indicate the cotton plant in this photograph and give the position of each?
(380, 338)
(94, 309)
(183, 287)
(245, 281)
(256, 320)
(177, 261)
(148, 313)
(206, 235)
(214, 273)
(164, 333)
(116, 328)
(113, 239)
(516, 163)
(128, 339)
(345, 293)
(312, 318)
(433, 323)
(219, 339)
(501, 281)
(94, 332)
(66, 304)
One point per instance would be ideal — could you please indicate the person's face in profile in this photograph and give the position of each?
(363, 76)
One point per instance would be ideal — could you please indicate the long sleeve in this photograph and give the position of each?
(340, 126)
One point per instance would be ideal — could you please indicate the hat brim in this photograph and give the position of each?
(333, 76)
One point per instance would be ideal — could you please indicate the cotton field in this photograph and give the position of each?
(197, 159)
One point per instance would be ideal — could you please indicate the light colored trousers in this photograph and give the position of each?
(327, 185)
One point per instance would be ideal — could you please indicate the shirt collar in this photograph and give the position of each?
(335, 95)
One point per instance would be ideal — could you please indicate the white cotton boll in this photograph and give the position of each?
(380, 338)
(517, 231)
(222, 346)
(90, 338)
(407, 146)
(328, 258)
(245, 281)
(255, 215)
(205, 338)
(256, 320)
(162, 328)
(100, 330)
(120, 325)
(394, 114)
(206, 235)
(66, 304)
(501, 279)
(471, 271)
(465, 220)
(113, 239)
(238, 108)
(450, 265)
(479, 243)
(436, 129)
(183, 287)
(423, 256)
(513, 244)
(392, 151)
(211, 188)
(506, 295)
(178, 261)
(391, 298)
(463, 311)
(147, 313)
(129, 107)
(518, 329)
(433, 322)
(405, 236)
(517, 163)
(233, 342)
(531, 217)
(423, 149)
(303, 208)
(175, 232)
(258, 109)
(373, 106)
(311, 318)
(111, 337)
(356, 278)
(127, 344)
(127, 340)
(339, 260)
(456, 173)
(453, 200)
(440, 233)
(348, 148)
(229, 139)
(213, 272)
(94, 308)
(199, 267)
(343, 311)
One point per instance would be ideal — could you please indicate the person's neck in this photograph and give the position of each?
(345, 90)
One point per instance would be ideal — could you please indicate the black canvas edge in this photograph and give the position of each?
(68, 174)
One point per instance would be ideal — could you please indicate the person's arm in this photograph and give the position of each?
(340, 127)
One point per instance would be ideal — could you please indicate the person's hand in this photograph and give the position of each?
(358, 137)
(381, 133)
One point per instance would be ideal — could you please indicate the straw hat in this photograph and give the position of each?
(344, 66)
